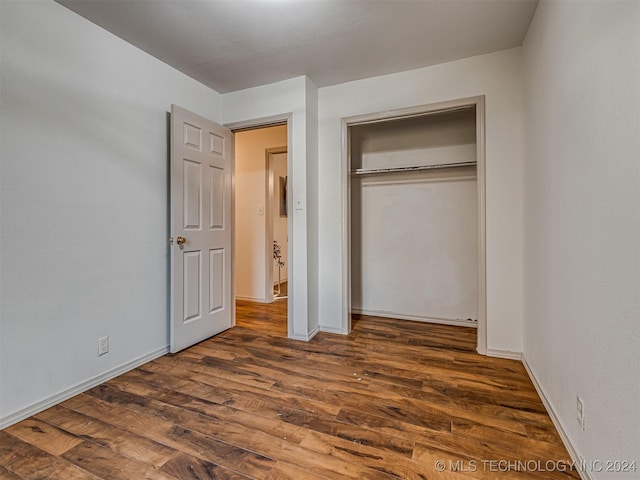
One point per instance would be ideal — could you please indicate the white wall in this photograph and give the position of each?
(250, 191)
(313, 200)
(414, 245)
(582, 221)
(427, 140)
(414, 236)
(296, 98)
(498, 77)
(83, 200)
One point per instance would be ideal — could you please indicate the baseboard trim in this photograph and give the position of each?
(79, 388)
(584, 474)
(337, 331)
(307, 337)
(500, 353)
(314, 332)
(415, 318)
(251, 299)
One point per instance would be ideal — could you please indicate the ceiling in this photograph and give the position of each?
(235, 44)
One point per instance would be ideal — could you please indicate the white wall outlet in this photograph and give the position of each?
(580, 412)
(299, 204)
(103, 345)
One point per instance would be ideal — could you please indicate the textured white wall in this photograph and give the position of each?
(83, 199)
(498, 76)
(251, 182)
(582, 221)
(414, 245)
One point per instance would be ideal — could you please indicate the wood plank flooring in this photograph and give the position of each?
(387, 401)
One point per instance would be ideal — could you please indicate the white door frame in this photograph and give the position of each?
(270, 190)
(263, 123)
(422, 110)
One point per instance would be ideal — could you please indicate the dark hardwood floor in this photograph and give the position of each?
(387, 401)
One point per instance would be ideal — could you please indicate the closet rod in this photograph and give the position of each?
(370, 171)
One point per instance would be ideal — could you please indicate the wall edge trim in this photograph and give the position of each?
(251, 299)
(334, 330)
(305, 337)
(503, 353)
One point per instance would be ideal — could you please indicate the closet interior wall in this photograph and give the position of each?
(414, 233)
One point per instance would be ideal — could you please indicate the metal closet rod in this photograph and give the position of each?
(370, 171)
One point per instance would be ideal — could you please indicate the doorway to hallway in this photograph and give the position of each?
(261, 215)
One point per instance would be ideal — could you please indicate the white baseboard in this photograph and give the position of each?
(314, 332)
(584, 474)
(251, 299)
(307, 337)
(415, 318)
(337, 331)
(500, 353)
(79, 388)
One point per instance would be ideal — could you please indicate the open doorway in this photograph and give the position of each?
(261, 225)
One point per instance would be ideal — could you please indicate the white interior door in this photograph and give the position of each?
(201, 284)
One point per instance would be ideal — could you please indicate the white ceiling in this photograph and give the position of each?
(235, 44)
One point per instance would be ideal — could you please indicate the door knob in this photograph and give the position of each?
(181, 240)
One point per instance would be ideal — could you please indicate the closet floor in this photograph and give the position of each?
(393, 399)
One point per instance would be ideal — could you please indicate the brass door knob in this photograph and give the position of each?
(181, 240)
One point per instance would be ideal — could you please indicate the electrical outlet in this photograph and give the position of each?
(103, 345)
(580, 413)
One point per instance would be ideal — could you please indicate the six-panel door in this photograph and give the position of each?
(201, 158)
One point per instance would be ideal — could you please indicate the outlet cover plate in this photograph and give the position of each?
(103, 345)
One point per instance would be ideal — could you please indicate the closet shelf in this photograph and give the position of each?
(372, 171)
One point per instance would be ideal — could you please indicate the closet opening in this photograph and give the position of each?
(415, 215)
